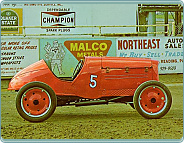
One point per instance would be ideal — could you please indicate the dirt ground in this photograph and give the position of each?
(114, 121)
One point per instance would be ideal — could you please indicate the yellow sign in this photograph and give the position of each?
(93, 48)
(11, 17)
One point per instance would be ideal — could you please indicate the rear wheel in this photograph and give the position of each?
(36, 102)
(152, 99)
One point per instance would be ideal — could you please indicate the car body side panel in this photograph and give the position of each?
(121, 77)
(43, 74)
(155, 75)
(100, 76)
(80, 86)
(118, 82)
(91, 69)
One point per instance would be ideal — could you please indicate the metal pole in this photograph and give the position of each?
(176, 23)
(166, 22)
(180, 30)
(93, 34)
(152, 21)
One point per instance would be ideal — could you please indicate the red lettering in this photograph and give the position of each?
(130, 42)
(145, 44)
(119, 44)
(135, 41)
(140, 44)
(125, 44)
(149, 44)
(158, 43)
(153, 41)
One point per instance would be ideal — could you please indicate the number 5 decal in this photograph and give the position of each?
(93, 81)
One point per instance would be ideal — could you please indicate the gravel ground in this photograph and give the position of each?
(113, 121)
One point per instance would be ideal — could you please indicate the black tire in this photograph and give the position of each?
(36, 102)
(152, 99)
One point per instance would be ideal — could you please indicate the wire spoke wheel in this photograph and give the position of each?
(36, 102)
(152, 99)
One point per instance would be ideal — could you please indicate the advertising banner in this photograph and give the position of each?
(167, 50)
(69, 16)
(62, 55)
(58, 19)
(11, 17)
(17, 54)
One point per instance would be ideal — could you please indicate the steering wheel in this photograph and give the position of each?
(78, 68)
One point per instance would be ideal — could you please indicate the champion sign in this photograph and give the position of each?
(58, 19)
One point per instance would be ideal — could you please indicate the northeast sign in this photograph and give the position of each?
(167, 50)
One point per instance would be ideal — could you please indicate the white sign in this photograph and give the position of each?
(58, 19)
(17, 54)
(167, 50)
(71, 15)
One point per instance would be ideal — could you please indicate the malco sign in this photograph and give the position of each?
(94, 48)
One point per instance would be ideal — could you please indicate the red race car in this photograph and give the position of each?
(95, 80)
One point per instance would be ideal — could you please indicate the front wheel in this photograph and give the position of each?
(152, 99)
(36, 102)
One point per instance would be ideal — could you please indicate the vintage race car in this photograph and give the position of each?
(95, 80)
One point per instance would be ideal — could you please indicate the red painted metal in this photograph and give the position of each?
(152, 100)
(35, 101)
(100, 76)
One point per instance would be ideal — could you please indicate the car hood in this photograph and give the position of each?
(40, 65)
